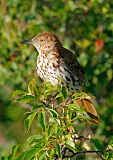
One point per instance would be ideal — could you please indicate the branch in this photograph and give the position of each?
(3, 4)
(26, 106)
(72, 154)
(82, 152)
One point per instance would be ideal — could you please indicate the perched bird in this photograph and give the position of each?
(56, 63)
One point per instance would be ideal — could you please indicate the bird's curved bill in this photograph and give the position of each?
(26, 41)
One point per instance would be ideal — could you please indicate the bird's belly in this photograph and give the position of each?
(48, 72)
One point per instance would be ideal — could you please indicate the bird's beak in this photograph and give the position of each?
(27, 41)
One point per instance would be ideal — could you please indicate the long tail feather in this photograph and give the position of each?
(88, 104)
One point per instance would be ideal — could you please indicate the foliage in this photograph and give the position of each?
(59, 119)
(85, 27)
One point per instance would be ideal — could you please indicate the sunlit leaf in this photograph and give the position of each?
(15, 151)
(26, 98)
(69, 141)
(29, 119)
(53, 113)
(30, 154)
(49, 154)
(52, 129)
(42, 156)
(33, 138)
(58, 150)
(31, 86)
(17, 92)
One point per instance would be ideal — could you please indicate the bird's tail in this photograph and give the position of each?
(88, 104)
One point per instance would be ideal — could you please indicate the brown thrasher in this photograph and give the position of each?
(55, 62)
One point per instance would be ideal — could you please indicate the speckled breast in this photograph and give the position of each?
(46, 69)
(51, 70)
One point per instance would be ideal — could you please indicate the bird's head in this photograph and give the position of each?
(45, 41)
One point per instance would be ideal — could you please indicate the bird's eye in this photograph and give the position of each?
(42, 40)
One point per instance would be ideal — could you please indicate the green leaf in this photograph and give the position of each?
(26, 98)
(38, 141)
(76, 107)
(98, 144)
(41, 119)
(53, 113)
(31, 87)
(14, 151)
(28, 120)
(108, 156)
(64, 92)
(49, 154)
(58, 150)
(17, 92)
(21, 157)
(69, 141)
(70, 147)
(5, 158)
(37, 106)
(30, 154)
(111, 141)
(34, 138)
(52, 129)
(42, 156)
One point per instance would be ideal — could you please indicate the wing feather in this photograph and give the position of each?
(73, 64)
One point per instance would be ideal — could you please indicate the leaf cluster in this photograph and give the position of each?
(59, 120)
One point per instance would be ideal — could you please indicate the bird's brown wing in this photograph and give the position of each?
(76, 69)
(73, 64)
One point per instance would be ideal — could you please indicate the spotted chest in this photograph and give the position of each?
(50, 69)
(47, 70)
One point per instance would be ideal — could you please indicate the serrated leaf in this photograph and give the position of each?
(41, 118)
(28, 120)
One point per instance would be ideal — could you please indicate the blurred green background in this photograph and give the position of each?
(83, 26)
